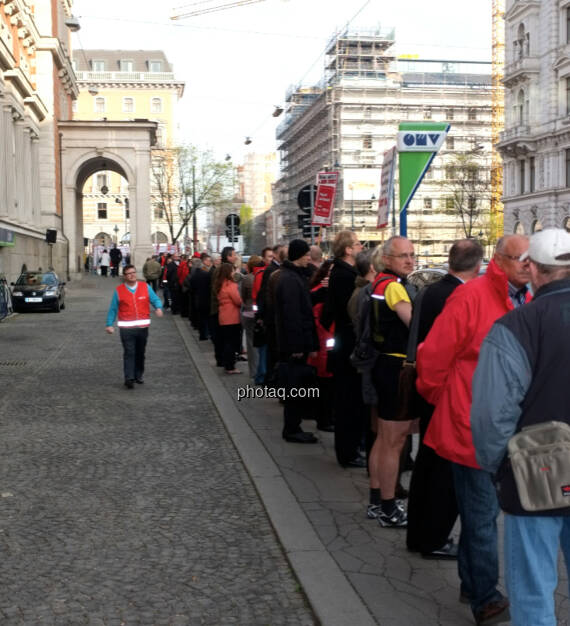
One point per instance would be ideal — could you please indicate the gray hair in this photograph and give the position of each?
(363, 262)
(388, 246)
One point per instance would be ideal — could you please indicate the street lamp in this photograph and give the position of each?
(116, 229)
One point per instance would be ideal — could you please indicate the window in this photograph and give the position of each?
(567, 168)
(450, 142)
(449, 203)
(101, 210)
(98, 66)
(429, 174)
(532, 172)
(472, 114)
(158, 213)
(427, 113)
(522, 166)
(367, 142)
(449, 114)
(99, 105)
(156, 105)
(74, 106)
(427, 203)
(125, 65)
(367, 114)
(450, 172)
(520, 103)
(101, 181)
(472, 203)
(128, 105)
(155, 66)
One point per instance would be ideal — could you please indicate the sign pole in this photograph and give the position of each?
(312, 211)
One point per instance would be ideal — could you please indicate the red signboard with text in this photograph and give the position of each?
(324, 201)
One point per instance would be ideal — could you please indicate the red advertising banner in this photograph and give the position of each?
(324, 201)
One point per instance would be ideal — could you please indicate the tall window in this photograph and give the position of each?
(128, 105)
(472, 114)
(125, 65)
(367, 142)
(532, 172)
(99, 105)
(156, 105)
(427, 113)
(427, 203)
(522, 166)
(367, 113)
(520, 106)
(449, 203)
(101, 182)
(102, 210)
(449, 114)
(450, 143)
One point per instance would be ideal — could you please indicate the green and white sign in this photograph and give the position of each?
(418, 143)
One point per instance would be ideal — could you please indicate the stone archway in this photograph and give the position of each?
(122, 147)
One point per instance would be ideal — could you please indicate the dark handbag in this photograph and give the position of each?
(259, 336)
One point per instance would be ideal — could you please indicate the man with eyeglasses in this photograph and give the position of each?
(131, 305)
(446, 361)
(391, 314)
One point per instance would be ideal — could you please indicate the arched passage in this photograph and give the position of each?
(122, 147)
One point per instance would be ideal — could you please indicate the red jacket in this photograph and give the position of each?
(182, 272)
(447, 359)
(258, 277)
(229, 303)
(320, 361)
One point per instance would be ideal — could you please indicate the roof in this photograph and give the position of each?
(112, 58)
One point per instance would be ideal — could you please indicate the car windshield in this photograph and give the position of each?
(37, 278)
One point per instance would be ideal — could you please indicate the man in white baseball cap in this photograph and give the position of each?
(522, 380)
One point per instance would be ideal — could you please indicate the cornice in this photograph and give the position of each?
(522, 8)
(178, 86)
(62, 63)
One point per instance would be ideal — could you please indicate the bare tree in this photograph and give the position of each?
(467, 186)
(185, 179)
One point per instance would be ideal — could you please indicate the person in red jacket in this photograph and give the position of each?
(229, 307)
(446, 361)
(319, 285)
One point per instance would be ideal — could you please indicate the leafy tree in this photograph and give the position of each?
(185, 179)
(467, 186)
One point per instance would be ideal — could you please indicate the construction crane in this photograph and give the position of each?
(203, 7)
(497, 117)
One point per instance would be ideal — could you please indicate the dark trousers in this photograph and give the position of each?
(174, 299)
(203, 324)
(184, 302)
(216, 337)
(231, 339)
(295, 374)
(432, 506)
(104, 269)
(134, 346)
(323, 405)
(351, 418)
(153, 282)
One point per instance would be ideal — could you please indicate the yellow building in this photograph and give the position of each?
(123, 85)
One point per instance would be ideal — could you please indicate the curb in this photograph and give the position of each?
(330, 594)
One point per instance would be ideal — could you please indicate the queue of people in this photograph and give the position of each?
(490, 358)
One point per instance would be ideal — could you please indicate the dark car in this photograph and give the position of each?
(38, 290)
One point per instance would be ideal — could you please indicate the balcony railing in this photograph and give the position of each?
(125, 77)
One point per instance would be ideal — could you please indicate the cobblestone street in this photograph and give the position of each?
(118, 506)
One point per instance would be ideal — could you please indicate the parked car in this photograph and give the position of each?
(426, 276)
(38, 290)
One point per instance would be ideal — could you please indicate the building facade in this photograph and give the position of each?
(37, 89)
(351, 118)
(125, 85)
(535, 144)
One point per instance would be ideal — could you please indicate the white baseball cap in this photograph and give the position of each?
(550, 246)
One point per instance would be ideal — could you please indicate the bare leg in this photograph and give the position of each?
(390, 440)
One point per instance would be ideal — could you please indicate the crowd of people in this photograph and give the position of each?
(351, 325)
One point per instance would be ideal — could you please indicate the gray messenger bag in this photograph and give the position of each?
(540, 460)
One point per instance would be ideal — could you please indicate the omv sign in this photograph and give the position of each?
(420, 141)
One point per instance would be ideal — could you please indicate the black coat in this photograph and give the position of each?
(296, 331)
(199, 284)
(341, 285)
(433, 301)
(263, 310)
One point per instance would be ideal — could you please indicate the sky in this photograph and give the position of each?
(238, 63)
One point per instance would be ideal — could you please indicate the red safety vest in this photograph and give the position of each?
(134, 308)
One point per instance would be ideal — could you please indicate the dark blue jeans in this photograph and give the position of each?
(134, 346)
(478, 556)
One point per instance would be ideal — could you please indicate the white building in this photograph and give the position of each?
(536, 141)
(351, 118)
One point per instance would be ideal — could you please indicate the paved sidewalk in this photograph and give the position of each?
(398, 588)
(125, 507)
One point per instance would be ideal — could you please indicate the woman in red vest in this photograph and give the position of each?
(229, 306)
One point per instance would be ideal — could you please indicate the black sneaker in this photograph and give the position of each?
(398, 518)
(129, 384)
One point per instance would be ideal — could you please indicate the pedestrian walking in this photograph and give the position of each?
(116, 257)
(521, 380)
(104, 262)
(131, 306)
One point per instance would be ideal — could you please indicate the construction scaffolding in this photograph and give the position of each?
(498, 117)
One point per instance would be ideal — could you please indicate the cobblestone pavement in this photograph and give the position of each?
(118, 506)
(399, 588)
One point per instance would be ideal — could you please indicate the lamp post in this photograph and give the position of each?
(116, 229)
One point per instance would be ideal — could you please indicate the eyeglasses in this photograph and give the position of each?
(130, 273)
(404, 255)
(513, 257)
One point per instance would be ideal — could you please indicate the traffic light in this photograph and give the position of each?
(232, 236)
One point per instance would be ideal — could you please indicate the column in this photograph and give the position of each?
(10, 153)
(3, 178)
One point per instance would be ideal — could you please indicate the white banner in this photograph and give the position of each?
(386, 187)
(420, 140)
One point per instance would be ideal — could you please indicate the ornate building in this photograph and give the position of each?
(535, 144)
(124, 85)
(37, 89)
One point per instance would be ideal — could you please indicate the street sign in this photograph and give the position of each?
(306, 198)
(386, 187)
(232, 220)
(324, 203)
